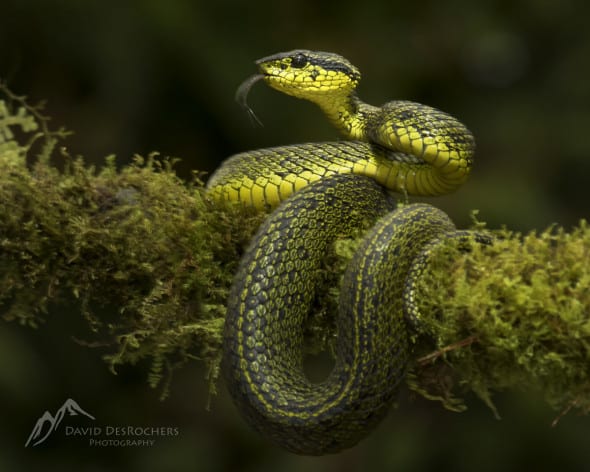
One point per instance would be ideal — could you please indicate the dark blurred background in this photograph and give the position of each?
(138, 76)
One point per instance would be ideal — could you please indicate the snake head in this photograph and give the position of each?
(309, 74)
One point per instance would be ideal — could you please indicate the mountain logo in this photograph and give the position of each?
(70, 407)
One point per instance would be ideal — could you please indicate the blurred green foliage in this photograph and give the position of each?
(147, 75)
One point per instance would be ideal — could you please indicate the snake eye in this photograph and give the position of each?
(299, 60)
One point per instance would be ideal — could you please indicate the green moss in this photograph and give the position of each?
(523, 304)
(147, 257)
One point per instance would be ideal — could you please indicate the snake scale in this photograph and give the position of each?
(321, 191)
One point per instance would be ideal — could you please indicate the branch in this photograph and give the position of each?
(149, 262)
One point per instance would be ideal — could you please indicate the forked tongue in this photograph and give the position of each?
(242, 97)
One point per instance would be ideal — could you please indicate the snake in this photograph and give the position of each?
(315, 193)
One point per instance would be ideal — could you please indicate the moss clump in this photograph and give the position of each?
(513, 315)
(138, 241)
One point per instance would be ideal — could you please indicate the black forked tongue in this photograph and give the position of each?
(242, 97)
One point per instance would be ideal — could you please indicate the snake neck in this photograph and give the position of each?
(348, 113)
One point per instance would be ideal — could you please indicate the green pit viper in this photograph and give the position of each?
(323, 191)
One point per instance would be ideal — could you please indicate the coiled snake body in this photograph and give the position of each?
(337, 187)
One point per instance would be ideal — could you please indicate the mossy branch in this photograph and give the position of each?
(148, 261)
(515, 314)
